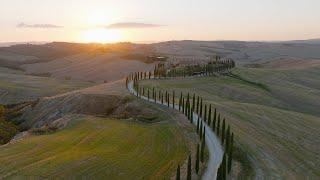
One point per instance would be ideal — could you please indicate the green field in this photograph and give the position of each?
(274, 114)
(15, 86)
(98, 148)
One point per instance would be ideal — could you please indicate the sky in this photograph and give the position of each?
(158, 20)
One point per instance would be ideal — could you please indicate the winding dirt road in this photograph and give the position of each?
(212, 141)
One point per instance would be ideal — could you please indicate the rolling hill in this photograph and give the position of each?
(274, 114)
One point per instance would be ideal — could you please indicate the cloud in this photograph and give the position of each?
(128, 25)
(43, 26)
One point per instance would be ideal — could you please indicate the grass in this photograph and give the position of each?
(277, 128)
(17, 87)
(97, 148)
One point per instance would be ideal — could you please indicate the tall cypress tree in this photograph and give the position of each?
(227, 139)
(148, 95)
(214, 120)
(197, 159)
(189, 168)
(166, 96)
(218, 125)
(204, 133)
(198, 124)
(161, 98)
(193, 101)
(203, 145)
(224, 165)
(178, 173)
(200, 134)
(173, 101)
(201, 109)
(198, 101)
(183, 105)
(180, 100)
(205, 113)
(230, 154)
(209, 117)
(152, 93)
(168, 100)
(223, 132)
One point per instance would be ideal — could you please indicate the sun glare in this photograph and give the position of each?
(101, 35)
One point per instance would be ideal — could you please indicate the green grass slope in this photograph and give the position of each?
(17, 87)
(274, 114)
(98, 148)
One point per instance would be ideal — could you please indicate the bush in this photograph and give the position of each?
(7, 131)
(2, 111)
(43, 130)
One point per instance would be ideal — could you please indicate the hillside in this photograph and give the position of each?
(16, 86)
(273, 113)
(97, 148)
(99, 132)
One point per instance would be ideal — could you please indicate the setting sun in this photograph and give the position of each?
(101, 35)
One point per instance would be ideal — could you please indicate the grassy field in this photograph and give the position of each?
(16, 87)
(98, 148)
(274, 114)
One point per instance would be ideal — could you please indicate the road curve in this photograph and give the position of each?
(212, 141)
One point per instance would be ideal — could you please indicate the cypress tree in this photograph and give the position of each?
(189, 168)
(222, 168)
(178, 173)
(202, 150)
(153, 93)
(198, 101)
(197, 160)
(205, 113)
(186, 108)
(180, 100)
(161, 98)
(173, 101)
(227, 139)
(204, 133)
(148, 95)
(223, 132)
(191, 116)
(193, 101)
(218, 125)
(198, 124)
(181, 97)
(183, 105)
(201, 109)
(230, 154)
(168, 100)
(214, 120)
(209, 117)
(200, 134)
(166, 96)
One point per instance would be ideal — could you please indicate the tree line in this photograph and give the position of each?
(165, 71)
(191, 105)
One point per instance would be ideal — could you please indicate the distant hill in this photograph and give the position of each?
(309, 41)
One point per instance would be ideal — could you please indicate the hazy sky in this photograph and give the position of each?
(158, 20)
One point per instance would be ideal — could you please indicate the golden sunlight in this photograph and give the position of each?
(101, 35)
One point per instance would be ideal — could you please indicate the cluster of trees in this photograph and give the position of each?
(161, 71)
(215, 66)
(206, 116)
(7, 129)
